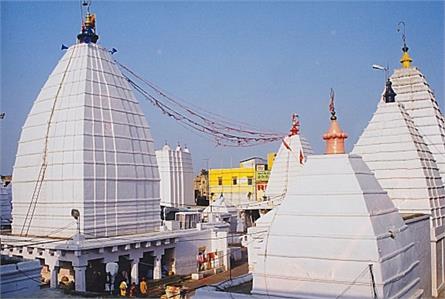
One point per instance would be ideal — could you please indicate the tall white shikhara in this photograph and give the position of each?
(404, 145)
(89, 137)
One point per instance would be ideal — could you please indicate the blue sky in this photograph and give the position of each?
(255, 62)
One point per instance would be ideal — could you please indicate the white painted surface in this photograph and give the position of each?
(187, 249)
(176, 173)
(418, 99)
(287, 165)
(419, 228)
(403, 163)
(334, 221)
(100, 154)
(396, 152)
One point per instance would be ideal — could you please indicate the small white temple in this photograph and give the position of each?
(289, 161)
(176, 173)
(404, 145)
(335, 235)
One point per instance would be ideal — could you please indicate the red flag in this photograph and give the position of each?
(301, 157)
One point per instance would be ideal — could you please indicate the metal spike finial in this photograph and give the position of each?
(406, 59)
(331, 104)
(405, 48)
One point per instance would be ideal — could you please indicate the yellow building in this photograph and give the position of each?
(270, 159)
(245, 183)
(236, 184)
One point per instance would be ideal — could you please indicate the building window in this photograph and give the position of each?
(234, 180)
(219, 181)
(249, 181)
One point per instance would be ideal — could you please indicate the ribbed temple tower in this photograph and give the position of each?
(290, 158)
(404, 145)
(416, 95)
(336, 235)
(86, 145)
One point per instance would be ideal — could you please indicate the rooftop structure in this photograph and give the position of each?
(417, 97)
(404, 145)
(176, 173)
(288, 162)
(336, 234)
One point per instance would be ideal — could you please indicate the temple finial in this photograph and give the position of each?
(88, 30)
(331, 105)
(406, 59)
(334, 137)
(390, 95)
(295, 129)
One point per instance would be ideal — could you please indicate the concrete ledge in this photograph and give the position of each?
(205, 273)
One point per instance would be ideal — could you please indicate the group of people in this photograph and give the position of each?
(132, 290)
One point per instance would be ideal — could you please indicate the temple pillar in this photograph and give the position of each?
(135, 271)
(157, 270)
(54, 270)
(79, 276)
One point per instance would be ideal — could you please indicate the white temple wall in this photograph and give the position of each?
(438, 266)
(176, 173)
(419, 228)
(187, 247)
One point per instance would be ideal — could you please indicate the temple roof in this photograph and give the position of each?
(418, 99)
(89, 138)
(289, 160)
(335, 204)
(403, 164)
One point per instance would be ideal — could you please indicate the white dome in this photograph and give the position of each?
(88, 127)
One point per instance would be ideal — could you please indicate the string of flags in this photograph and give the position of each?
(222, 131)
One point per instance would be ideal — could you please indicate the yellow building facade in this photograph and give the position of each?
(235, 184)
(245, 183)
